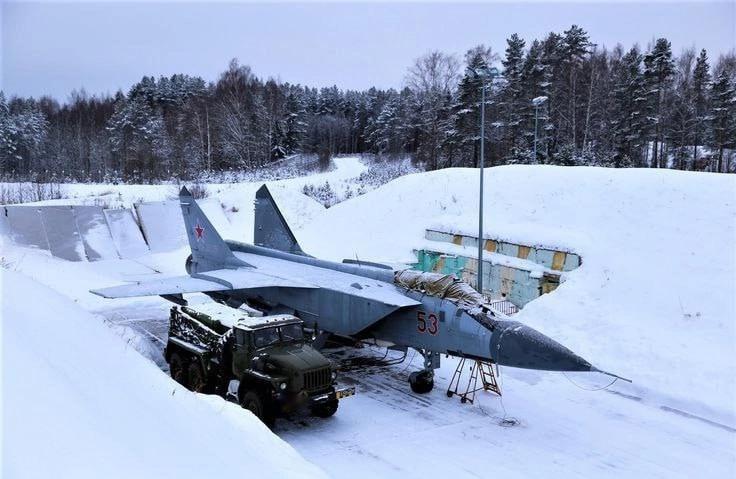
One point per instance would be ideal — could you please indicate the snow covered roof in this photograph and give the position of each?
(231, 317)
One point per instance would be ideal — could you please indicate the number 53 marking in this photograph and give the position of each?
(427, 323)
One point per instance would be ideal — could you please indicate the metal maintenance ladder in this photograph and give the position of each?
(476, 369)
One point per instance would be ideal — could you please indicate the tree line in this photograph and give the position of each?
(558, 100)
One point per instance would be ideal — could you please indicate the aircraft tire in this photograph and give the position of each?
(421, 382)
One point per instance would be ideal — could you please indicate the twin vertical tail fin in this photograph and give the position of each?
(270, 228)
(209, 250)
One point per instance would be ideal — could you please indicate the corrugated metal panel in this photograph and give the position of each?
(62, 234)
(96, 236)
(571, 262)
(26, 226)
(125, 233)
(162, 225)
(507, 279)
(470, 241)
(544, 257)
(433, 235)
(509, 249)
(4, 226)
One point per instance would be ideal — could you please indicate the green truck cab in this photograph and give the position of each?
(264, 363)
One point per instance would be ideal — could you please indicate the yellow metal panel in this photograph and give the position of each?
(490, 246)
(440, 264)
(558, 260)
(523, 252)
(457, 239)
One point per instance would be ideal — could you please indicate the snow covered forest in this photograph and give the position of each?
(619, 107)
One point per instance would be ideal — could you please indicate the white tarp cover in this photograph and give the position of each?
(439, 285)
(26, 226)
(125, 233)
(91, 224)
(64, 239)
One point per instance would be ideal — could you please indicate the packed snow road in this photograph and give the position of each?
(545, 423)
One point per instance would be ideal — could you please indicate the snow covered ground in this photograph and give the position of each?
(80, 402)
(653, 300)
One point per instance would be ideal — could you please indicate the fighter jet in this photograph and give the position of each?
(431, 313)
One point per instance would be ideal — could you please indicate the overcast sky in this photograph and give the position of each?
(52, 48)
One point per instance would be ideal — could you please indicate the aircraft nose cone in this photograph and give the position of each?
(517, 345)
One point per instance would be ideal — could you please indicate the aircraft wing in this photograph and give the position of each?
(357, 301)
(218, 280)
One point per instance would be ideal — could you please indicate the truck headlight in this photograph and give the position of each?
(282, 386)
(334, 375)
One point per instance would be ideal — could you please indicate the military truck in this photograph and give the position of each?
(264, 363)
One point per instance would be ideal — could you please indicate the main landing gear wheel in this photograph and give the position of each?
(254, 402)
(421, 382)
(325, 409)
(177, 371)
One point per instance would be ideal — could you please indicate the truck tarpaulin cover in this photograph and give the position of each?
(439, 285)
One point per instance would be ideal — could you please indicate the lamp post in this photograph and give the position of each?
(537, 102)
(486, 75)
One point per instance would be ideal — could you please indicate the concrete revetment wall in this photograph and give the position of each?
(518, 272)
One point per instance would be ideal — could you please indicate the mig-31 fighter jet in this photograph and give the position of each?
(431, 313)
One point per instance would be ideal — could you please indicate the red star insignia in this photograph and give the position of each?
(198, 231)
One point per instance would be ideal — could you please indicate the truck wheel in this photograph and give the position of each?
(325, 409)
(176, 368)
(195, 378)
(254, 402)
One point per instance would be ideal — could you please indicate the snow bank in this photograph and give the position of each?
(79, 402)
(654, 298)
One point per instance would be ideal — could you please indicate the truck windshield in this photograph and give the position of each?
(265, 337)
(292, 332)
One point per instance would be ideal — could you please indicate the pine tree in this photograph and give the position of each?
(514, 103)
(464, 134)
(723, 116)
(701, 102)
(294, 122)
(8, 148)
(680, 118)
(574, 47)
(658, 71)
(628, 115)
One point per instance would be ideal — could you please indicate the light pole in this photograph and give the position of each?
(485, 76)
(537, 102)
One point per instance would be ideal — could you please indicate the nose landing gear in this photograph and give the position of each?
(422, 382)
